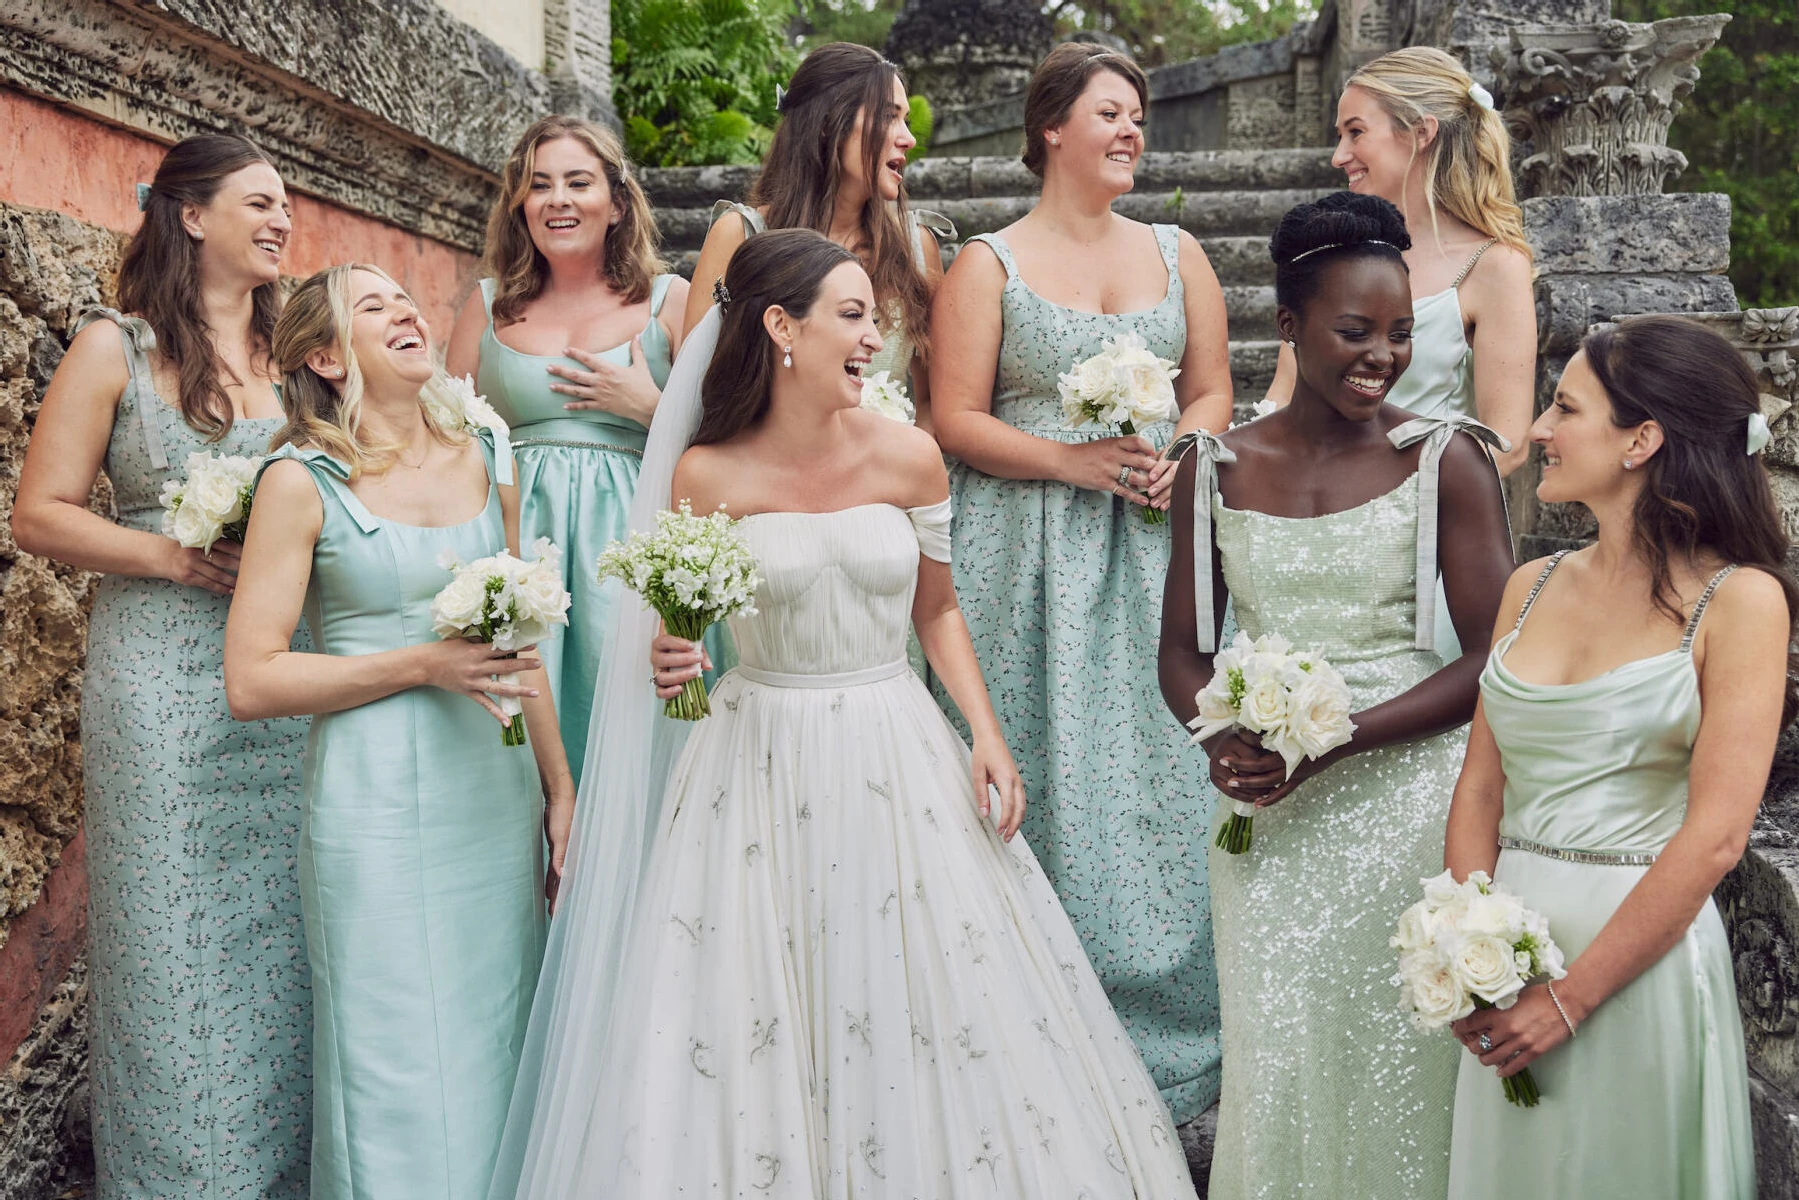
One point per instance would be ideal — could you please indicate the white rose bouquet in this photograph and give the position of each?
(887, 397)
(506, 601)
(455, 405)
(1467, 946)
(694, 571)
(1293, 700)
(1126, 385)
(212, 502)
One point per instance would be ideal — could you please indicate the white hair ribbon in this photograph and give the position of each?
(1481, 96)
(1759, 434)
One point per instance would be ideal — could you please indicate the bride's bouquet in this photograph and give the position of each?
(1293, 700)
(887, 397)
(1471, 945)
(1126, 385)
(694, 571)
(211, 502)
(506, 601)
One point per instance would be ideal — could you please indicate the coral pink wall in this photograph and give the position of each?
(53, 158)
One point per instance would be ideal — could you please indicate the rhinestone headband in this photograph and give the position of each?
(1339, 246)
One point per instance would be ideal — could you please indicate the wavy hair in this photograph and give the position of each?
(159, 277)
(327, 414)
(1467, 169)
(838, 88)
(519, 269)
(785, 268)
(1701, 491)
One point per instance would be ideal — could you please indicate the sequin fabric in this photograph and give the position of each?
(1328, 1091)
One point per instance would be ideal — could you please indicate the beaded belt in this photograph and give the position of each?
(520, 443)
(1576, 856)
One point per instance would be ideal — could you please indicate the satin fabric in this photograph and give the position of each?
(1651, 1098)
(420, 878)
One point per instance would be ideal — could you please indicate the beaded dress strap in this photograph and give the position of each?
(139, 340)
(1208, 452)
(1705, 598)
(1469, 265)
(1436, 433)
(1537, 587)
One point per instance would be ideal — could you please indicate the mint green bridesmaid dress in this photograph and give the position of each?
(1650, 1099)
(577, 472)
(420, 876)
(1062, 590)
(200, 1021)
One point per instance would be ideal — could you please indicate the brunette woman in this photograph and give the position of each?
(1058, 571)
(1627, 723)
(200, 1023)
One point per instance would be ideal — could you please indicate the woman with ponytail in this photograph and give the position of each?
(1628, 717)
(201, 1018)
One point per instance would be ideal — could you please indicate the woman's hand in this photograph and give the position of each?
(993, 767)
(628, 391)
(215, 570)
(1518, 1035)
(1122, 466)
(558, 820)
(675, 660)
(1161, 483)
(1243, 770)
(468, 669)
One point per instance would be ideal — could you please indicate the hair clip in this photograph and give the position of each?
(721, 295)
(1480, 95)
(143, 197)
(1759, 434)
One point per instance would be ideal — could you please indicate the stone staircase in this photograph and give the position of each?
(1229, 199)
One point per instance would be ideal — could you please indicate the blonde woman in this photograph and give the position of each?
(570, 338)
(421, 851)
(1415, 129)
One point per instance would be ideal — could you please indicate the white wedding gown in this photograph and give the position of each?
(840, 982)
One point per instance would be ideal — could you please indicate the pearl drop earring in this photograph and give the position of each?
(787, 357)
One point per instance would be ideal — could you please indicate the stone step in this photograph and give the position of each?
(931, 180)
(1252, 370)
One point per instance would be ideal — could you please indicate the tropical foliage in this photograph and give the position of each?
(1170, 31)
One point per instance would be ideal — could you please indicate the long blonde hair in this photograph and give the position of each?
(519, 270)
(328, 417)
(1468, 172)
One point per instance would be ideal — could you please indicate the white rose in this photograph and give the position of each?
(193, 526)
(1432, 991)
(1495, 914)
(1414, 930)
(1441, 889)
(1318, 716)
(459, 606)
(1264, 704)
(1216, 712)
(886, 396)
(541, 594)
(217, 494)
(1263, 408)
(1483, 963)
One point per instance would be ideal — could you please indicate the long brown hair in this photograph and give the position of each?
(519, 269)
(782, 267)
(329, 418)
(1058, 82)
(159, 278)
(837, 86)
(1701, 490)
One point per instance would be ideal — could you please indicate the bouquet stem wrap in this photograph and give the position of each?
(512, 706)
(1151, 514)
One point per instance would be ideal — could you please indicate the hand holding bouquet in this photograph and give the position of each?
(1126, 385)
(1467, 946)
(1293, 699)
(887, 397)
(212, 502)
(508, 602)
(694, 571)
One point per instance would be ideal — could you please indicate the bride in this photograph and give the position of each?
(839, 973)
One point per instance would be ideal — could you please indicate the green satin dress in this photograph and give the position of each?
(1651, 1099)
(421, 878)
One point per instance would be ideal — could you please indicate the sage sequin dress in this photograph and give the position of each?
(1062, 590)
(1328, 1090)
(200, 1023)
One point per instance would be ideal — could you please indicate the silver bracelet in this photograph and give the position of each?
(1550, 988)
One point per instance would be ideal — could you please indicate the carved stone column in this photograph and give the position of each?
(577, 43)
(1592, 104)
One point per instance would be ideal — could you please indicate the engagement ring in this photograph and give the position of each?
(1124, 476)
(1486, 1043)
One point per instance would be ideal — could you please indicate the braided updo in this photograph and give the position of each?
(1312, 236)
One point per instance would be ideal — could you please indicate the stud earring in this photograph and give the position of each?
(787, 357)
(1055, 141)
(1629, 466)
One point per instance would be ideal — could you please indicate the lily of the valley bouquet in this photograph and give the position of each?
(1472, 945)
(211, 502)
(1292, 700)
(694, 571)
(506, 601)
(887, 397)
(1125, 385)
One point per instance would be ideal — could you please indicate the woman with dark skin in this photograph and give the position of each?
(1316, 510)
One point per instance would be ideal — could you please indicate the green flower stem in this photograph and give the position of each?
(692, 704)
(1521, 1089)
(1236, 834)
(1153, 516)
(514, 734)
